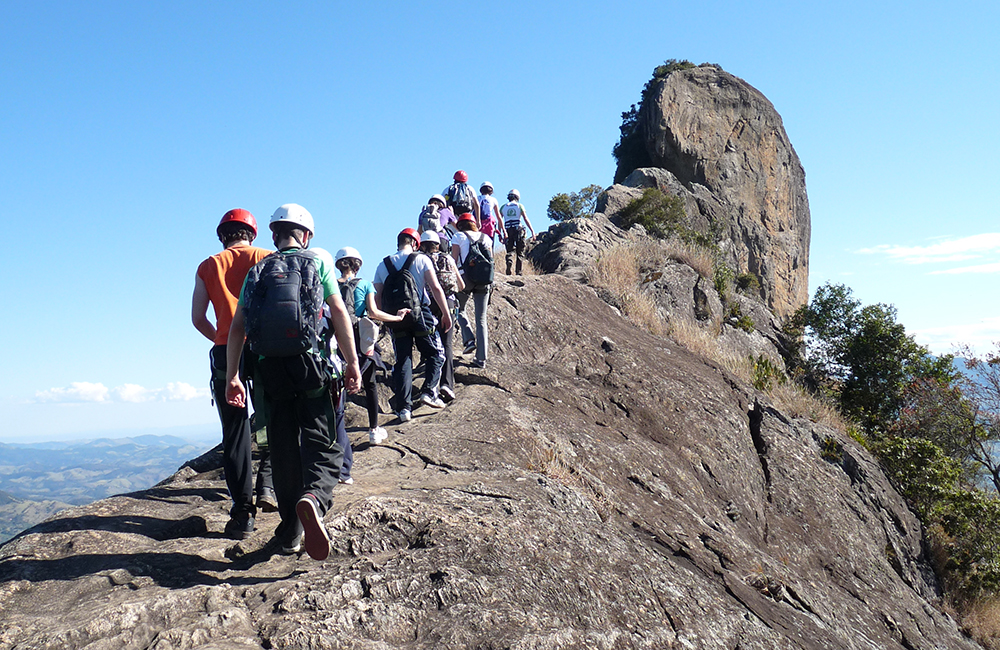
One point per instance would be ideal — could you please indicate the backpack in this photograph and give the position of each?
(461, 198)
(485, 213)
(430, 220)
(347, 293)
(477, 269)
(283, 304)
(399, 291)
(449, 283)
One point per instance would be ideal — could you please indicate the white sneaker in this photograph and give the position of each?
(431, 401)
(347, 481)
(377, 435)
(404, 415)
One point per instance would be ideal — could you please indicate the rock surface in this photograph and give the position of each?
(594, 487)
(727, 155)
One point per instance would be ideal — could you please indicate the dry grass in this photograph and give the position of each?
(982, 622)
(698, 258)
(797, 402)
(704, 342)
(617, 271)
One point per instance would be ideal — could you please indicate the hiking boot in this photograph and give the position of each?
(267, 501)
(431, 401)
(316, 539)
(469, 347)
(239, 527)
(447, 394)
(377, 435)
(404, 415)
(346, 481)
(292, 546)
(479, 363)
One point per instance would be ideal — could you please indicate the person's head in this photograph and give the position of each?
(430, 242)
(461, 177)
(513, 195)
(437, 200)
(407, 237)
(236, 226)
(348, 261)
(486, 188)
(292, 222)
(466, 222)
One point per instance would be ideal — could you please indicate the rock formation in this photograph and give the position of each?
(595, 487)
(719, 144)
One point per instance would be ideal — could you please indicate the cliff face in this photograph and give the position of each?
(723, 148)
(595, 487)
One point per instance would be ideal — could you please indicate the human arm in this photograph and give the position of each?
(377, 314)
(456, 252)
(498, 220)
(340, 320)
(524, 213)
(459, 282)
(236, 393)
(199, 309)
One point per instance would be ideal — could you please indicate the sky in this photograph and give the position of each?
(128, 129)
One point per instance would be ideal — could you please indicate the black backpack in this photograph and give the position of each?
(460, 198)
(283, 304)
(477, 269)
(399, 291)
(347, 293)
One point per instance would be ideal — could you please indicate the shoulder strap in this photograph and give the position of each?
(409, 262)
(390, 269)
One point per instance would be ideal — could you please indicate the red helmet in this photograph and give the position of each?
(410, 232)
(239, 215)
(461, 177)
(467, 217)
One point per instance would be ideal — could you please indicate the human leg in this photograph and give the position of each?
(519, 248)
(339, 395)
(481, 302)
(463, 320)
(402, 371)
(237, 462)
(431, 350)
(448, 369)
(510, 245)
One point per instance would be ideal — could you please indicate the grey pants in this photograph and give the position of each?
(480, 302)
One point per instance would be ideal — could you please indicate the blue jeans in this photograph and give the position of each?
(402, 372)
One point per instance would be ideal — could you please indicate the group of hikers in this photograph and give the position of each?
(294, 338)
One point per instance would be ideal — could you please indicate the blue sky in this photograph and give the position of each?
(129, 129)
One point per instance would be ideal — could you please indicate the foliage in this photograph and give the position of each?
(630, 151)
(861, 355)
(563, 207)
(831, 451)
(723, 280)
(747, 284)
(662, 215)
(922, 472)
(971, 524)
(740, 320)
(764, 374)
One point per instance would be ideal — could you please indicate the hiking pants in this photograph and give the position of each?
(430, 349)
(448, 369)
(237, 461)
(339, 396)
(515, 246)
(368, 382)
(480, 301)
(305, 456)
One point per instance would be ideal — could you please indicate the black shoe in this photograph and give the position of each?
(239, 527)
(266, 500)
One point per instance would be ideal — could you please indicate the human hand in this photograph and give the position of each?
(236, 394)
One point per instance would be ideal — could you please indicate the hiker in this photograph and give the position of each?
(489, 211)
(461, 198)
(473, 256)
(406, 280)
(218, 282)
(513, 212)
(359, 298)
(282, 295)
(436, 217)
(451, 282)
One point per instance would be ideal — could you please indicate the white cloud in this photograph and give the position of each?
(78, 391)
(132, 393)
(992, 267)
(981, 335)
(975, 247)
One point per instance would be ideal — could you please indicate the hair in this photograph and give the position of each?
(467, 225)
(486, 189)
(233, 231)
(428, 245)
(349, 263)
(402, 238)
(285, 230)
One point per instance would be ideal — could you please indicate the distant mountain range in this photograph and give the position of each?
(39, 479)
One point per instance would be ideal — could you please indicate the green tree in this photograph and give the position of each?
(660, 214)
(574, 205)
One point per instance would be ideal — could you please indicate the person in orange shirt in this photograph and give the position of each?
(219, 281)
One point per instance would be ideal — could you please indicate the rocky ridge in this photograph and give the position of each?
(594, 487)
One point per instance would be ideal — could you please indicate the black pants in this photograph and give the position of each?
(301, 435)
(237, 461)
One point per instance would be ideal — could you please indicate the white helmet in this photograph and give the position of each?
(430, 235)
(324, 255)
(348, 253)
(294, 213)
(485, 185)
(437, 197)
(515, 194)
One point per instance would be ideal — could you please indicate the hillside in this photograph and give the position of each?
(595, 487)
